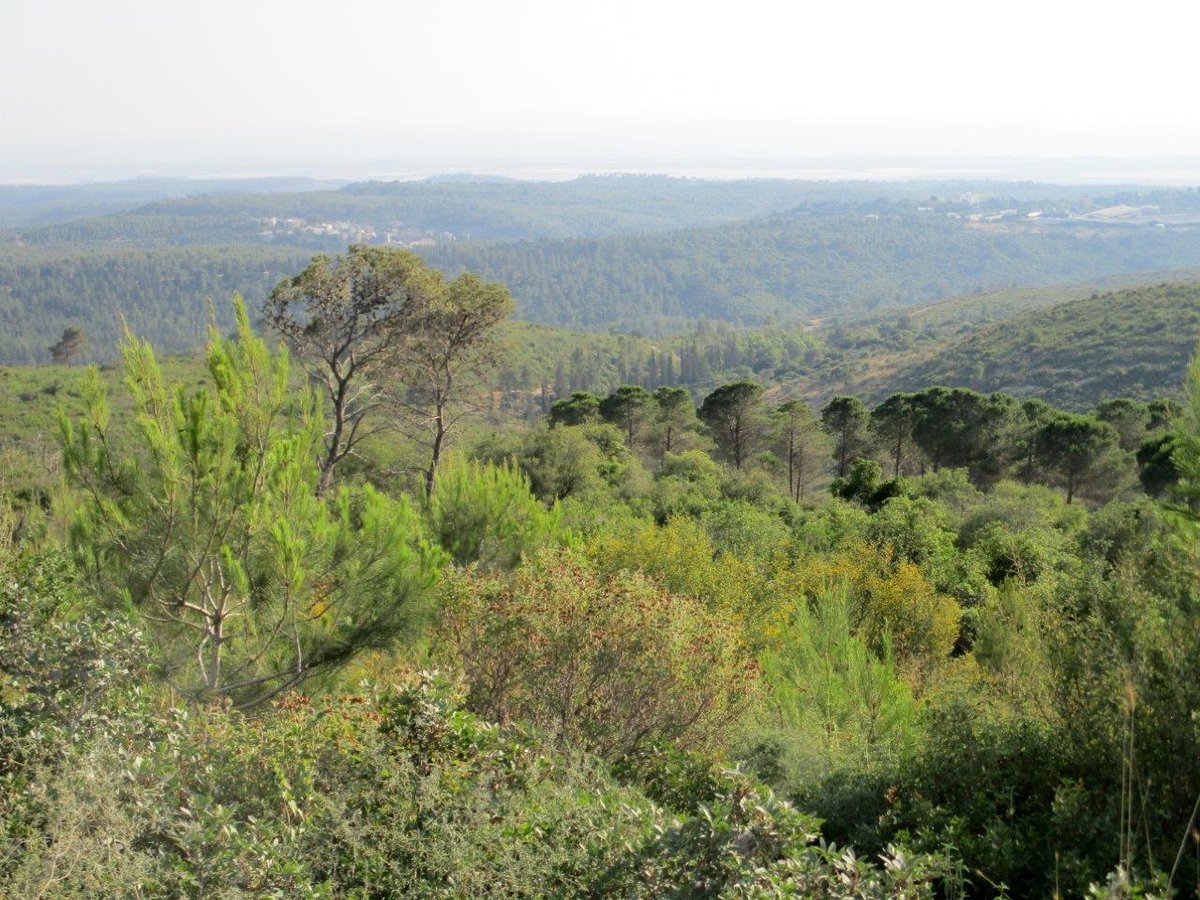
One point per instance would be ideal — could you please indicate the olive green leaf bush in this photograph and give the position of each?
(608, 662)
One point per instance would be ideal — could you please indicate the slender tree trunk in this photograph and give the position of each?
(326, 477)
(1030, 465)
(439, 440)
(333, 448)
(217, 635)
(791, 460)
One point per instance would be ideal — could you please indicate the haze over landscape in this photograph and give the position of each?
(135, 87)
(652, 450)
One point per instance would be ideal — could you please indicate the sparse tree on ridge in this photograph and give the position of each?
(892, 422)
(845, 418)
(676, 416)
(734, 413)
(72, 343)
(442, 354)
(628, 407)
(343, 317)
(801, 442)
(581, 408)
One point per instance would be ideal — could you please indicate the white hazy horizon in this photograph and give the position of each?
(552, 89)
(1153, 171)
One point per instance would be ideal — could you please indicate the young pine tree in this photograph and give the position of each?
(206, 520)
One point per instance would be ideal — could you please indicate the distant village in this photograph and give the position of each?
(275, 227)
(972, 209)
(981, 210)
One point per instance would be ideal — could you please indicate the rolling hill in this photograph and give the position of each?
(1129, 343)
(31, 205)
(791, 266)
(442, 209)
(596, 254)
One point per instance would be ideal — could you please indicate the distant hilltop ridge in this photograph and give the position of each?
(1129, 343)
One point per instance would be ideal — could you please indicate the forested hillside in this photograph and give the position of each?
(647, 254)
(1130, 343)
(787, 267)
(452, 209)
(165, 292)
(468, 207)
(1072, 345)
(782, 269)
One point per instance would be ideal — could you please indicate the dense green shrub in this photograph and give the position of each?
(749, 844)
(583, 461)
(397, 793)
(66, 671)
(834, 702)
(486, 514)
(609, 662)
(686, 484)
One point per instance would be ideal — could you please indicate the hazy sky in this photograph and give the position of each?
(90, 84)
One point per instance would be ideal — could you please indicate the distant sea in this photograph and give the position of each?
(1057, 171)
(1174, 171)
